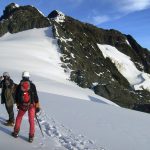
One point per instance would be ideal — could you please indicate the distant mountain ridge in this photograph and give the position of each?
(81, 55)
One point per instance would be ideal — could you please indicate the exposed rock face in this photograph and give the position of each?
(89, 69)
(19, 18)
(57, 16)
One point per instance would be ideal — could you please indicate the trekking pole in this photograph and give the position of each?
(39, 125)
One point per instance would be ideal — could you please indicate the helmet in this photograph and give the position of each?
(6, 74)
(26, 74)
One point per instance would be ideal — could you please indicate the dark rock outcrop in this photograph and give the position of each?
(16, 19)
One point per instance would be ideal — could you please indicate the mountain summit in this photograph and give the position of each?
(57, 16)
(17, 18)
(108, 62)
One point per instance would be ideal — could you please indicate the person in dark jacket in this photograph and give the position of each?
(7, 96)
(26, 100)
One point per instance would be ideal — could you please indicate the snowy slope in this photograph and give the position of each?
(37, 51)
(139, 80)
(76, 118)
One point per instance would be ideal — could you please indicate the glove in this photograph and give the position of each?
(37, 109)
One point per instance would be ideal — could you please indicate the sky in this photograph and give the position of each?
(128, 16)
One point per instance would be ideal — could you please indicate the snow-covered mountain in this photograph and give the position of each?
(73, 118)
(82, 57)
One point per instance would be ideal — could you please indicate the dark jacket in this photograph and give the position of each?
(32, 91)
(5, 83)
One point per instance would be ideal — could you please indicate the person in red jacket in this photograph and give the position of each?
(26, 100)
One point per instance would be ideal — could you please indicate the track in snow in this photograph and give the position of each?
(64, 137)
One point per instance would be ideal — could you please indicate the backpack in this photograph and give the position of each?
(14, 89)
(26, 94)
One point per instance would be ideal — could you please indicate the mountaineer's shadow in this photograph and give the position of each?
(3, 129)
(9, 131)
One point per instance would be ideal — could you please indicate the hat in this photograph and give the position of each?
(26, 74)
(6, 74)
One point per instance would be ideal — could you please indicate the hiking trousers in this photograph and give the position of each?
(10, 112)
(31, 116)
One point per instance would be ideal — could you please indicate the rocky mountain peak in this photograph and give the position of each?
(11, 6)
(9, 10)
(17, 18)
(58, 16)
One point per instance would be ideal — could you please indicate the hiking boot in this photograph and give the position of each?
(7, 120)
(31, 138)
(9, 123)
(14, 134)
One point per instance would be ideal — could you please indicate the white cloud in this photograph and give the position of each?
(100, 19)
(129, 6)
(115, 9)
(123, 7)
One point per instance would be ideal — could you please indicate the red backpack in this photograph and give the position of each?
(25, 88)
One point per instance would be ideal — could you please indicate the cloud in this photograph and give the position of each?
(117, 9)
(100, 19)
(128, 6)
